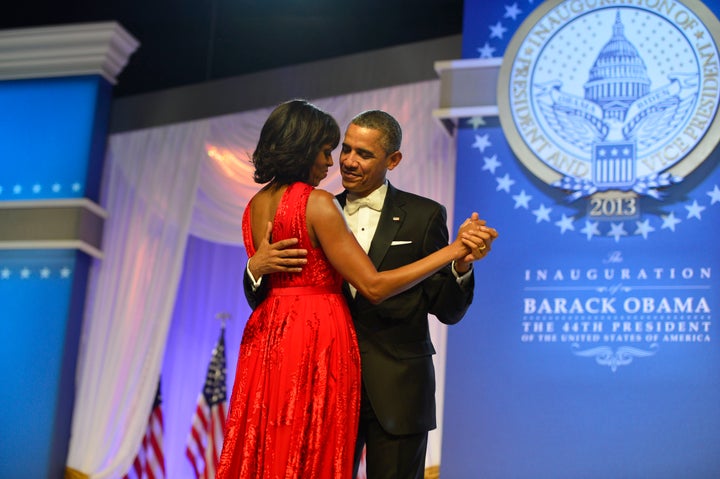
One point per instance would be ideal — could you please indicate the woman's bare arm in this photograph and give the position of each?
(328, 228)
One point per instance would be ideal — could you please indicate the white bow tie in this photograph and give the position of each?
(354, 204)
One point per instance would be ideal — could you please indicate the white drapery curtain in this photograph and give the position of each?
(149, 187)
(195, 178)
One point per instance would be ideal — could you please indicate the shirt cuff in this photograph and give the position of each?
(460, 278)
(256, 282)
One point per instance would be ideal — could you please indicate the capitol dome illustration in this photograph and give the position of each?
(618, 77)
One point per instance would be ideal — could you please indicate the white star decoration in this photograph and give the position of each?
(694, 210)
(491, 164)
(669, 221)
(542, 214)
(504, 183)
(617, 230)
(643, 228)
(714, 195)
(43, 273)
(565, 223)
(512, 11)
(497, 30)
(591, 229)
(476, 122)
(482, 142)
(522, 200)
(486, 51)
(39, 188)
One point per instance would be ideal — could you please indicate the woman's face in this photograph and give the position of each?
(319, 169)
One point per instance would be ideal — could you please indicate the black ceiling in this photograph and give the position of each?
(191, 41)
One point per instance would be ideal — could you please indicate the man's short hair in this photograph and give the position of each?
(383, 121)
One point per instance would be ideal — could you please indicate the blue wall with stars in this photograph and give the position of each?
(591, 348)
(53, 133)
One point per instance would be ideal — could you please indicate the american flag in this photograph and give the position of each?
(204, 443)
(150, 460)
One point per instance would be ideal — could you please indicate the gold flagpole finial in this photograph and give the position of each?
(223, 316)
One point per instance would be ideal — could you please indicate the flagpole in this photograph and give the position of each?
(207, 432)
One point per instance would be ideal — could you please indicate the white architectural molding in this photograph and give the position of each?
(64, 223)
(85, 203)
(468, 88)
(66, 50)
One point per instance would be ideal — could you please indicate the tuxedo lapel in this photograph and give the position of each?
(391, 218)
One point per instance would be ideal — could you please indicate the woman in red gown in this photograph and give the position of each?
(294, 407)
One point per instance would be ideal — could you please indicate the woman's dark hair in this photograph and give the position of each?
(290, 140)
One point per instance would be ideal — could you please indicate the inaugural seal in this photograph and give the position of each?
(612, 100)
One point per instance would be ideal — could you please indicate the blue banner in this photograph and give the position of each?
(590, 349)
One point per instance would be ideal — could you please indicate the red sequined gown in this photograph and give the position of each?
(295, 402)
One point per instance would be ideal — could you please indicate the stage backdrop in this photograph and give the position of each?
(590, 350)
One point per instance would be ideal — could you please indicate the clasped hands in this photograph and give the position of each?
(477, 238)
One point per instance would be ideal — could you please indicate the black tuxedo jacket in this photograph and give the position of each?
(394, 337)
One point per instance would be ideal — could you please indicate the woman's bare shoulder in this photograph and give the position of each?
(322, 197)
(322, 203)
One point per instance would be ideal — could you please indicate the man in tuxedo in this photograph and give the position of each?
(395, 228)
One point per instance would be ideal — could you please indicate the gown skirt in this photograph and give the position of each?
(295, 401)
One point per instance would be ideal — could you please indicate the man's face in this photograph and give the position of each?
(319, 169)
(363, 161)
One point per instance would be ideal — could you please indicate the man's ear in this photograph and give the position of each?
(394, 160)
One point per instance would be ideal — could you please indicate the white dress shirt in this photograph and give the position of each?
(364, 221)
